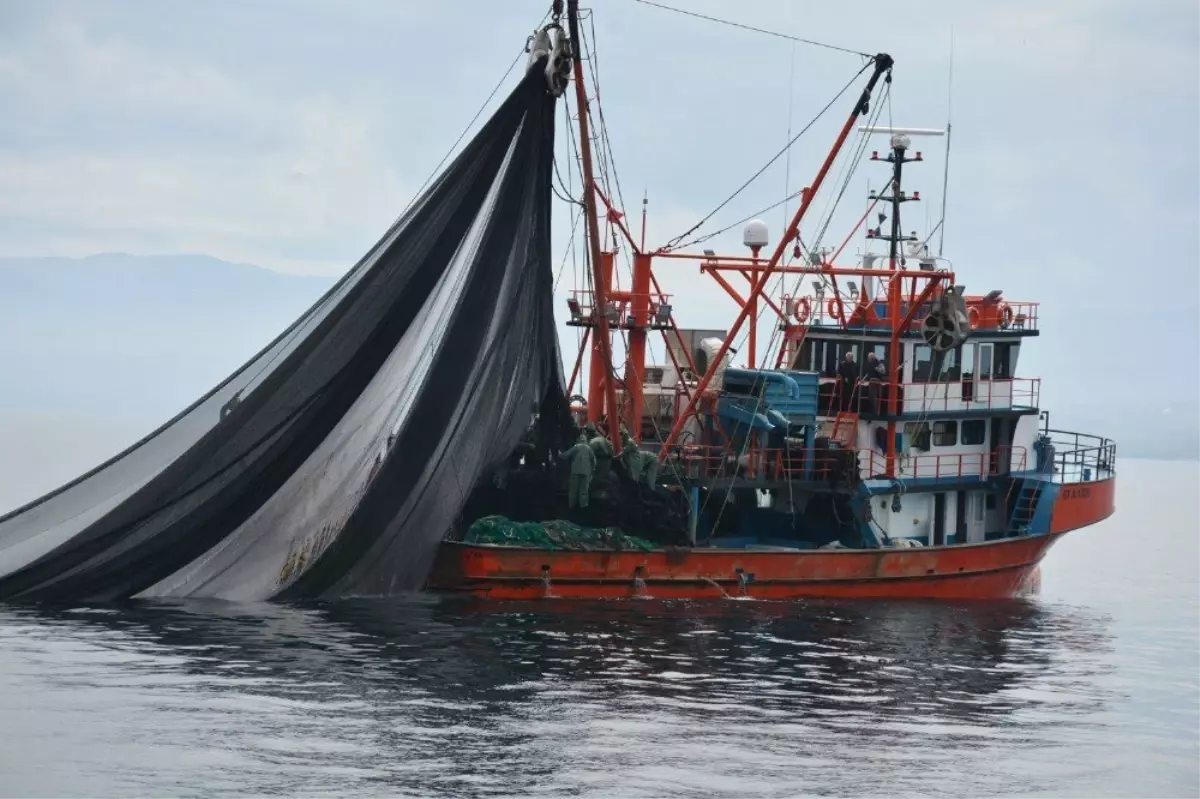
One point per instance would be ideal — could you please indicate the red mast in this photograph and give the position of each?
(602, 346)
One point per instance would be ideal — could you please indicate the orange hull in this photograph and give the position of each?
(990, 570)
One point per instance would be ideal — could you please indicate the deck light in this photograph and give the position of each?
(853, 290)
(663, 314)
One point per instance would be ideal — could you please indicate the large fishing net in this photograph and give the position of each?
(334, 461)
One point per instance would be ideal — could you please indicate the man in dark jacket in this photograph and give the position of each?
(848, 375)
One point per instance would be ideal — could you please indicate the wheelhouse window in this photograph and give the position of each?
(935, 367)
(922, 363)
(1003, 369)
(917, 434)
(946, 366)
(945, 434)
(824, 355)
(984, 360)
(967, 355)
(974, 431)
(654, 376)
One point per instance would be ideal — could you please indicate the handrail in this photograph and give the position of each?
(791, 464)
(619, 307)
(874, 396)
(984, 315)
(1079, 457)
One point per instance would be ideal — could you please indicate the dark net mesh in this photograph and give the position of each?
(333, 462)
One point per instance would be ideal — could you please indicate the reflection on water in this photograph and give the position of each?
(461, 697)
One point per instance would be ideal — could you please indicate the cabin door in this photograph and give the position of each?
(960, 517)
(975, 514)
(997, 446)
(939, 519)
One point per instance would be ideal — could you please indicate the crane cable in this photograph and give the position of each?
(673, 244)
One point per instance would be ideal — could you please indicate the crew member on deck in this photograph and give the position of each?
(642, 466)
(875, 368)
(583, 463)
(848, 374)
(876, 377)
(603, 450)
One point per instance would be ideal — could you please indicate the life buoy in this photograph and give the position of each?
(1006, 315)
(802, 309)
(973, 317)
(833, 309)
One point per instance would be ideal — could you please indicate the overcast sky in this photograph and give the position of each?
(289, 134)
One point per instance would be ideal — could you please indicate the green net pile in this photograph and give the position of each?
(551, 535)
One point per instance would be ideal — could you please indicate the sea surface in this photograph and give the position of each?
(1090, 689)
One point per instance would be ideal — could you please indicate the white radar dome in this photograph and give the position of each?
(755, 234)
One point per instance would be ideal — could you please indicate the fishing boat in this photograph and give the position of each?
(881, 443)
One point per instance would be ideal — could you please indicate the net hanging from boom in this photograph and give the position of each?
(334, 461)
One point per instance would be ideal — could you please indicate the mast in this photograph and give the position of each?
(899, 145)
(603, 344)
(883, 64)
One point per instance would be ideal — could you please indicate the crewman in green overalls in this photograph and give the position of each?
(603, 450)
(630, 456)
(583, 464)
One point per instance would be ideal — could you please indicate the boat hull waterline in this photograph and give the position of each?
(999, 569)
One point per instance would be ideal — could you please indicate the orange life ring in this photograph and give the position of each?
(1006, 315)
(973, 317)
(802, 309)
(831, 309)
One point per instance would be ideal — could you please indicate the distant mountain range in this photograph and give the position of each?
(100, 349)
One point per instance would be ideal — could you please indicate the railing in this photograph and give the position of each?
(847, 464)
(962, 395)
(1078, 457)
(619, 309)
(956, 466)
(1001, 315)
(982, 314)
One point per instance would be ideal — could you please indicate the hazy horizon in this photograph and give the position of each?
(166, 329)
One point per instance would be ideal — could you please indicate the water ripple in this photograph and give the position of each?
(461, 698)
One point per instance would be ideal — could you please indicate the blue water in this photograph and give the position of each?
(1091, 689)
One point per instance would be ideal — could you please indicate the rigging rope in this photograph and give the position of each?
(437, 169)
(743, 220)
(673, 243)
(753, 29)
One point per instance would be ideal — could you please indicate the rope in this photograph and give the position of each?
(463, 135)
(753, 29)
(672, 244)
(727, 228)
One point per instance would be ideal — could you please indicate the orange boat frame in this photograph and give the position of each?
(997, 569)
